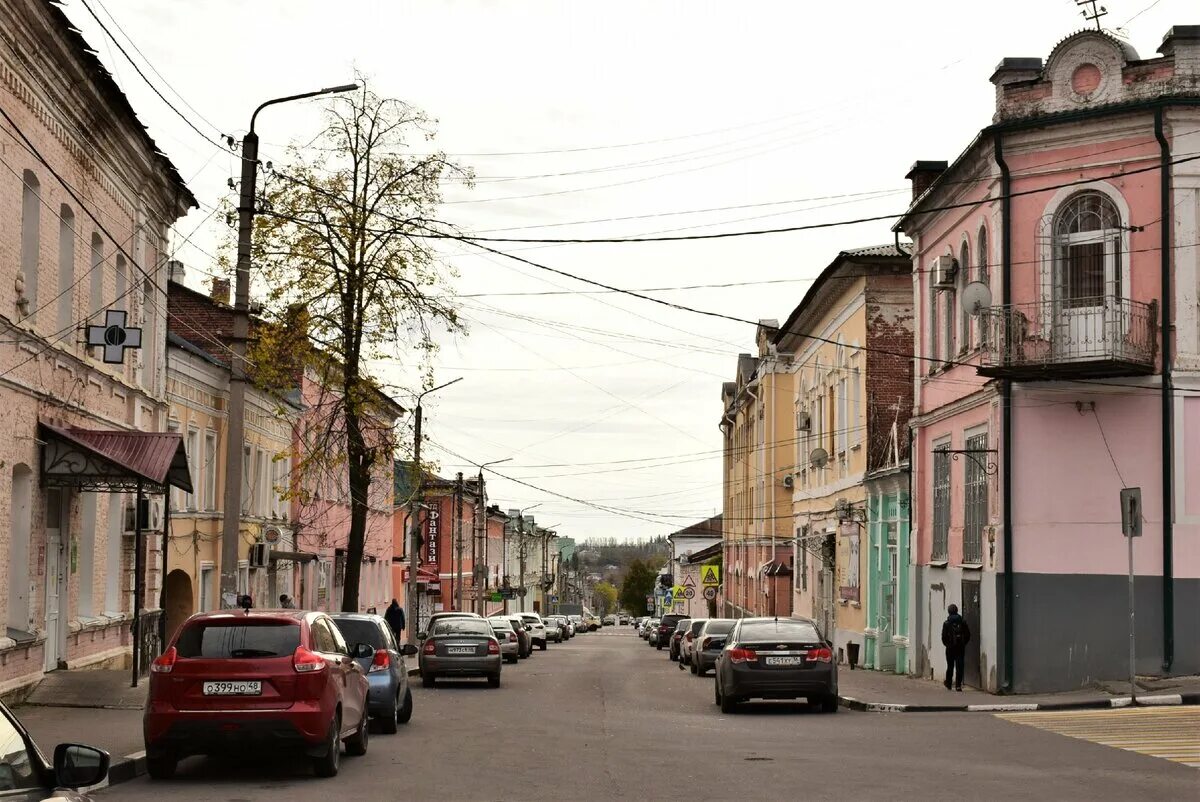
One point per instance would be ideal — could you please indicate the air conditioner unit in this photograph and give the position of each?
(789, 481)
(152, 515)
(259, 555)
(803, 421)
(944, 271)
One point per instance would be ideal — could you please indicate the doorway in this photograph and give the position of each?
(56, 570)
(970, 613)
(178, 595)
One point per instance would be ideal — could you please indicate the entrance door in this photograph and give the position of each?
(1089, 319)
(178, 594)
(970, 613)
(55, 576)
(887, 611)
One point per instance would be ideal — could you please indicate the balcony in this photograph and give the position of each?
(1080, 338)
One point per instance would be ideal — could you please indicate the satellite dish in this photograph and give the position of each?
(818, 457)
(976, 297)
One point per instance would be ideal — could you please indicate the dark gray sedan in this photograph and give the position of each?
(776, 658)
(460, 647)
(709, 643)
(389, 700)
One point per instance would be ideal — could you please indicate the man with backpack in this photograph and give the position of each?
(955, 637)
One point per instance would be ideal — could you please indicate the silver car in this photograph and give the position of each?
(708, 644)
(460, 647)
(510, 642)
(554, 630)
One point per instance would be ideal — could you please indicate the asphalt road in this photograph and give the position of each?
(605, 717)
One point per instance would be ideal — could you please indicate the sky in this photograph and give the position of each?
(611, 119)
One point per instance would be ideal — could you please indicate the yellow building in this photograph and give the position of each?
(847, 349)
(756, 517)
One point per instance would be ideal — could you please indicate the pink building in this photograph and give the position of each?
(1064, 225)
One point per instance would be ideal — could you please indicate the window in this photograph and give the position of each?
(177, 497)
(206, 586)
(192, 447)
(1087, 240)
(941, 502)
(247, 486)
(842, 416)
(31, 236)
(66, 273)
(210, 471)
(801, 535)
(149, 337)
(223, 640)
(113, 601)
(20, 527)
(982, 248)
(857, 422)
(322, 637)
(87, 554)
(975, 507)
(934, 331)
(949, 325)
(964, 317)
(96, 276)
(243, 577)
(121, 285)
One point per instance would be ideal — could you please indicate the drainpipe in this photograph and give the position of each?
(1006, 418)
(1168, 411)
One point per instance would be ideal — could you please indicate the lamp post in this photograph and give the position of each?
(230, 527)
(521, 550)
(478, 550)
(414, 544)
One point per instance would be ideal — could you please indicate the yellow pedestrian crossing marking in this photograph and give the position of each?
(1171, 733)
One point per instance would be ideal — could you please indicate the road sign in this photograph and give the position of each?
(710, 593)
(1131, 512)
(689, 593)
(677, 593)
(496, 597)
(650, 604)
(710, 576)
(553, 599)
(688, 582)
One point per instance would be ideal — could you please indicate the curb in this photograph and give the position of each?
(1159, 700)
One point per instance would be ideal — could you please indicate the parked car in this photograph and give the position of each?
(524, 635)
(22, 767)
(389, 699)
(593, 622)
(553, 630)
(688, 642)
(769, 658)
(567, 625)
(461, 647)
(650, 631)
(709, 642)
(275, 679)
(506, 633)
(666, 625)
(577, 620)
(623, 619)
(609, 621)
(538, 631)
(675, 639)
(446, 614)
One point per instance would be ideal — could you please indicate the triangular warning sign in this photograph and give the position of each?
(709, 577)
(688, 582)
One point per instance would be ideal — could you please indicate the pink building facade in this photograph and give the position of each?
(1048, 260)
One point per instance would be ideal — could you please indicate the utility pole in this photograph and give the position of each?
(411, 616)
(521, 589)
(235, 425)
(458, 541)
(479, 546)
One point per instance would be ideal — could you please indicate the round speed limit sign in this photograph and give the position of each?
(710, 593)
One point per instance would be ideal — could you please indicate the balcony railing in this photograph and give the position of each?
(1092, 337)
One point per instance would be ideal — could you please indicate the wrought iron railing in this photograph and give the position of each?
(1077, 331)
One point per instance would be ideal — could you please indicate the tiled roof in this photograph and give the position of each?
(880, 250)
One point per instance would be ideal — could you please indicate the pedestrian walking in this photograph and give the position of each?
(285, 601)
(955, 637)
(394, 615)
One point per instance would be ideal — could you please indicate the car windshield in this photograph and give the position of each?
(770, 630)
(357, 630)
(461, 626)
(212, 640)
(17, 768)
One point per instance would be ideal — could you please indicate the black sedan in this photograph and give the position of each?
(776, 658)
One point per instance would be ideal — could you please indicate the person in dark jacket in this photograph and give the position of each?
(955, 637)
(394, 615)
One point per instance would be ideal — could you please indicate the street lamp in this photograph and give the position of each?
(230, 528)
(410, 593)
(481, 534)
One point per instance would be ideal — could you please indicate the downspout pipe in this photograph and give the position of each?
(1006, 420)
(1167, 396)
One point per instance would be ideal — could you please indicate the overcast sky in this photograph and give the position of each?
(796, 112)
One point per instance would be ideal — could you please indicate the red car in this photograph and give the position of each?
(274, 679)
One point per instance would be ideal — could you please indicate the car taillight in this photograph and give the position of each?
(429, 647)
(705, 644)
(742, 656)
(690, 636)
(164, 662)
(493, 647)
(512, 636)
(382, 661)
(306, 662)
(821, 655)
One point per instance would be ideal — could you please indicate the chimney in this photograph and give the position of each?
(175, 271)
(220, 290)
(1182, 43)
(924, 173)
(1012, 70)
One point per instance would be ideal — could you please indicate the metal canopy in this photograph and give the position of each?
(114, 461)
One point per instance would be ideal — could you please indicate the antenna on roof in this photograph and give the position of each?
(1095, 14)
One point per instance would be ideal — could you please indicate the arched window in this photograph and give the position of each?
(982, 247)
(961, 280)
(31, 237)
(66, 272)
(121, 285)
(1087, 247)
(20, 527)
(934, 331)
(96, 276)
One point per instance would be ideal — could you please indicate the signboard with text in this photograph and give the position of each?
(432, 531)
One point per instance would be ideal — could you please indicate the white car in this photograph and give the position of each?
(567, 627)
(554, 629)
(538, 633)
(577, 622)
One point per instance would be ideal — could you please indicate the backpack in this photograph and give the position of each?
(958, 633)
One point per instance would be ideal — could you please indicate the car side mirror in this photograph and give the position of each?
(408, 650)
(422, 635)
(78, 766)
(362, 650)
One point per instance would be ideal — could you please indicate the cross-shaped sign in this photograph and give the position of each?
(114, 337)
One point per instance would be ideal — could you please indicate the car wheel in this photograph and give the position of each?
(542, 646)
(387, 722)
(356, 744)
(829, 704)
(327, 764)
(161, 767)
(494, 680)
(405, 713)
(427, 681)
(728, 704)
(674, 657)
(695, 669)
(716, 693)
(658, 646)
(510, 658)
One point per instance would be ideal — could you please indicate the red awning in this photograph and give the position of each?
(424, 575)
(73, 456)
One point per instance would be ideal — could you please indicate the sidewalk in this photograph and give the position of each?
(881, 692)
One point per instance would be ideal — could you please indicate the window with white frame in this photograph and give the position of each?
(843, 417)
(177, 495)
(934, 316)
(243, 577)
(206, 586)
(247, 480)
(975, 502)
(984, 276)
(1087, 247)
(857, 421)
(965, 340)
(941, 501)
(193, 453)
(210, 471)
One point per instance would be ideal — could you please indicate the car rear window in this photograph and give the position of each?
(670, 620)
(216, 640)
(697, 625)
(719, 627)
(461, 626)
(790, 630)
(358, 631)
(501, 624)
